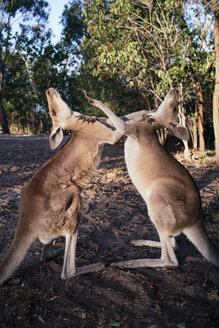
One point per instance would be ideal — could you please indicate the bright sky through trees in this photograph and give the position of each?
(56, 10)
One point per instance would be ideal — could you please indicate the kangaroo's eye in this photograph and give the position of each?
(54, 112)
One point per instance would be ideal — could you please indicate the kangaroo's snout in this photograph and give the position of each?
(52, 92)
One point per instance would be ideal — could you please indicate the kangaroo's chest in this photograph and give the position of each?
(131, 154)
(138, 169)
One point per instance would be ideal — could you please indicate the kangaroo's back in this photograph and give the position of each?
(51, 202)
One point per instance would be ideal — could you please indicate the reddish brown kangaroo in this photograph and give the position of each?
(51, 202)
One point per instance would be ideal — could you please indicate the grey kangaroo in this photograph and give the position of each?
(51, 202)
(171, 195)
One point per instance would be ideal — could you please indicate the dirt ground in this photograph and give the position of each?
(114, 214)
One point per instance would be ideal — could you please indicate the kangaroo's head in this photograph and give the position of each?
(60, 114)
(166, 116)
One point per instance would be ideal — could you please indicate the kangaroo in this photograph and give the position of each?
(170, 193)
(51, 202)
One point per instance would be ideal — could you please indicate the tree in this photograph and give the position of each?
(216, 89)
(212, 8)
(3, 118)
(32, 12)
(150, 46)
(136, 43)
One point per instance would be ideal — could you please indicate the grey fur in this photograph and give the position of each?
(171, 195)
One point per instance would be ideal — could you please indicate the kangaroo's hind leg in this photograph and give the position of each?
(153, 243)
(69, 268)
(167, 259)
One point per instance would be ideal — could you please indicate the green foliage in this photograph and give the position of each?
(18, 90)
(146, 45)
(126, 53)
(74, 26)
(36, 8)
(113, 50)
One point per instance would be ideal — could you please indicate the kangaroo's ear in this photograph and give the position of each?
(56, 137)
(179, 131)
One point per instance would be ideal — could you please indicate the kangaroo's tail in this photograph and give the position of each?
(21, 242)
(198, 236)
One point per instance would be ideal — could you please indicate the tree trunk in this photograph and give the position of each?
(195, 135)
(154, 90)
(200, 118)
(182, 120)
(3, 117)
(216, 89)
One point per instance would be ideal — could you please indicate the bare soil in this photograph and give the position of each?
(114, 214)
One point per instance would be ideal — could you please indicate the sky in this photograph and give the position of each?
(57, 7)
(56, 10)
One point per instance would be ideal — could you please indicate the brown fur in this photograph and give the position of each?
(51, 201)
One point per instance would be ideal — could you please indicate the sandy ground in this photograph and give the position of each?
(114, 214)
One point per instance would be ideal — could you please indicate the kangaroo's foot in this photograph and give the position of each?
(152, 243)
(145, 263)
(84, 270)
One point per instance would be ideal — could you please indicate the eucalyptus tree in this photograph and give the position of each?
(33, 14)
(79, 75)
(28, 74)
(216, 89)
(206, 28)
(111, 54)
(149, 47)
(138, 42)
